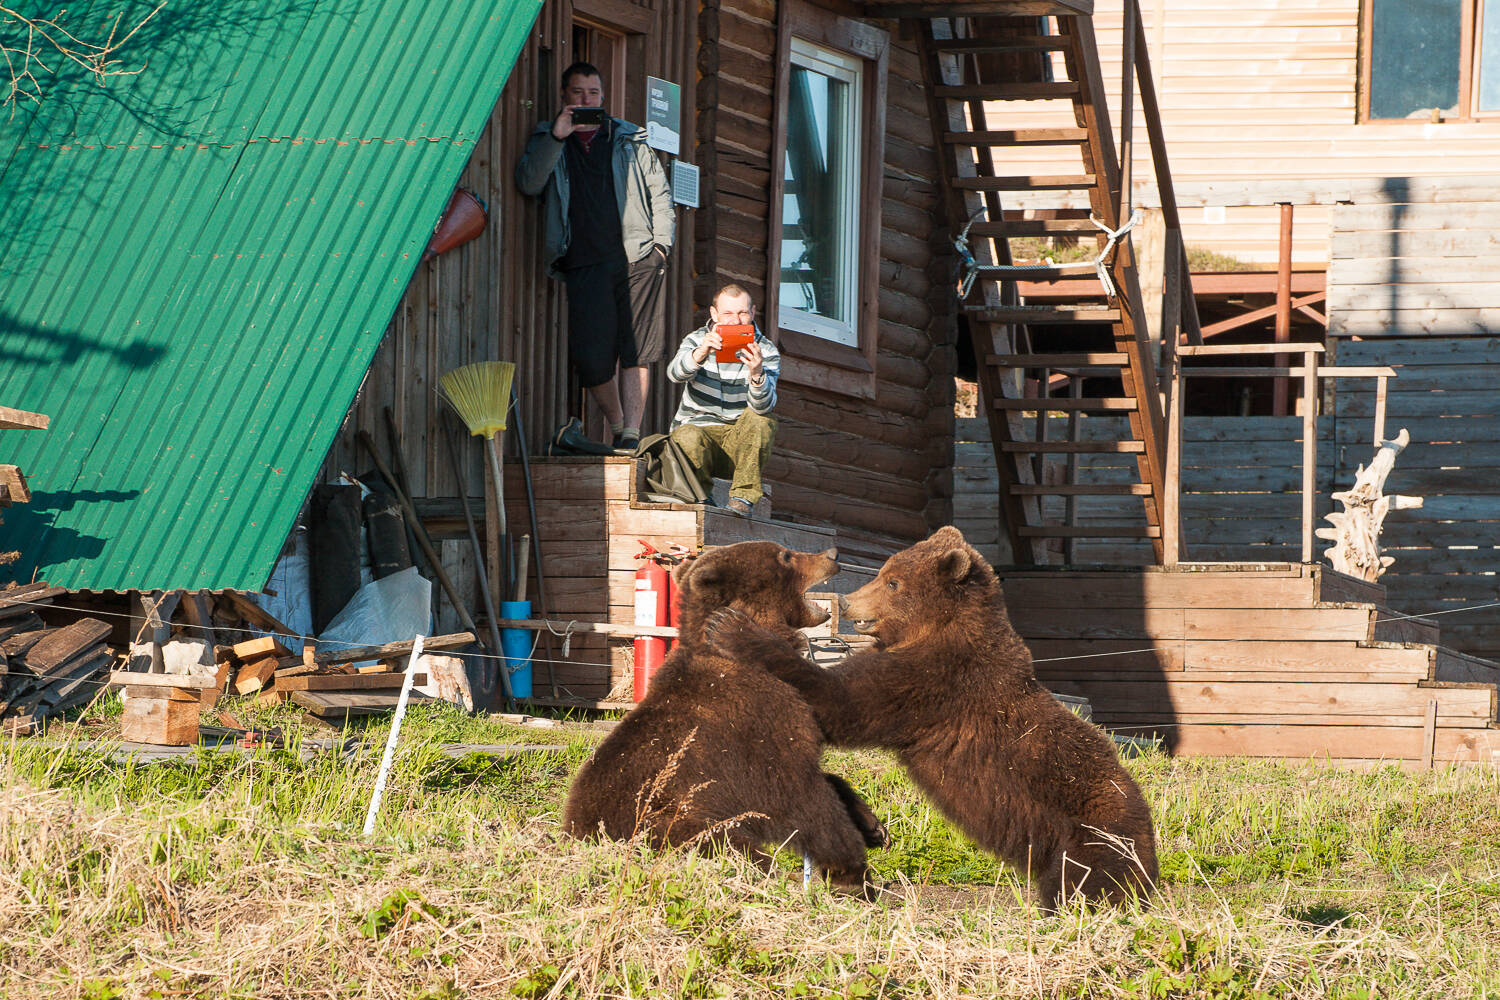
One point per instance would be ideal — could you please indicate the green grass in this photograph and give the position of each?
(226, 875)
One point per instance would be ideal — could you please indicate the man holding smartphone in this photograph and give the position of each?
(609, 230)
(724, 424)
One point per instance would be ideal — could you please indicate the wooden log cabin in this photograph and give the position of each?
(1274, 657)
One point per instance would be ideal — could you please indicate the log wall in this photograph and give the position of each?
(877, 468)
(491, 299)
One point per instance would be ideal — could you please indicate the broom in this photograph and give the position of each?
(480, 394)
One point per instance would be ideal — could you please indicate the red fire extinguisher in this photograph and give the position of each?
(653, 596)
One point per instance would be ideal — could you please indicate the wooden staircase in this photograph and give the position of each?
(1024, 376)
(1283, 660)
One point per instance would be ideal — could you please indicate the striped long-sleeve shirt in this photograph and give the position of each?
(717, 392)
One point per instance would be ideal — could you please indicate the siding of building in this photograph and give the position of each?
(1259, 97)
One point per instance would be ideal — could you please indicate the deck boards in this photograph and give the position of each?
(1280, 660)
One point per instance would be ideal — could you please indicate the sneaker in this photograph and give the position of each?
(741, 506)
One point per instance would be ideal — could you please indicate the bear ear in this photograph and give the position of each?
(949, 535)
(955, 565)
(699, 573)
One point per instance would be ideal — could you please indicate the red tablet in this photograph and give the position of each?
(735, 336)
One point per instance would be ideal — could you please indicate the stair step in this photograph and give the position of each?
(1026, 182)
(1009, 91)
(1092, 531)
(1036, 227)
(1097, 360)
(1019, 44)
(1082, 490)
(1076, 447)
(1079, 403)
(1041, 314)
(1019, 137)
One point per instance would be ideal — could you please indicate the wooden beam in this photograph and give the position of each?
(22, 420)
(1245, 319)
(14, 481)
(456, 640)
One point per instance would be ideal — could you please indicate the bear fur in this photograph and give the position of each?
(951, 688)
(721, 753)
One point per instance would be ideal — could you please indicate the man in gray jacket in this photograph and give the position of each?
(609, 229)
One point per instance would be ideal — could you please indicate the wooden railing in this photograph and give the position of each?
(1309, 371)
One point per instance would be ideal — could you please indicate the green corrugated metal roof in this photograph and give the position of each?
(197, 263)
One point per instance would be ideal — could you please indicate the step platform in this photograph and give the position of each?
(1276, 660)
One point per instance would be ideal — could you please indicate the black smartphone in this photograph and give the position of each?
(588, 116)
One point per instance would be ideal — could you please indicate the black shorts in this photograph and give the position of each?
(616, 316)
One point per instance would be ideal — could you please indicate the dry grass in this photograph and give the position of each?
(246, 878)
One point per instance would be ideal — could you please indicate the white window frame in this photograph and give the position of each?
(849, 70)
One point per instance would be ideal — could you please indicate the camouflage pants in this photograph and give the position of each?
(734, 451)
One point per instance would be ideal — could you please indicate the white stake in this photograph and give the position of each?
(390, 743)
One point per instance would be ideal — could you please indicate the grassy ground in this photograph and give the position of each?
(246, 876)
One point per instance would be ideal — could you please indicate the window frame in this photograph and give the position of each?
(808, 359)
(1469, 19)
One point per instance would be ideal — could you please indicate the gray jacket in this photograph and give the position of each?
(646, 216)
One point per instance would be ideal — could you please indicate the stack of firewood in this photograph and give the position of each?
(46, 671)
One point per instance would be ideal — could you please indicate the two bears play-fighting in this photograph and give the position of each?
(725, 747)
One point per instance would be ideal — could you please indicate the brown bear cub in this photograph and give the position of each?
(951, 688)
(723, 753)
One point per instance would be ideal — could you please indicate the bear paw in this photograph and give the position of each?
(726, 628)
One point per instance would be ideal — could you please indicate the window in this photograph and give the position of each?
(1431, 57)
(820, 195)
(823, 252)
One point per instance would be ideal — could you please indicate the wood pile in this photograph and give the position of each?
(46, 670)
(327, 684)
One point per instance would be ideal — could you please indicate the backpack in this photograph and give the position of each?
(669, 474)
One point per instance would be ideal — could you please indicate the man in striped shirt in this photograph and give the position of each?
(723, 423)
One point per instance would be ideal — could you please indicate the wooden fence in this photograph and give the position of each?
(1447, 397)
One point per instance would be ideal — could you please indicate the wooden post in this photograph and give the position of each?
(1283, 309)
(1127, 105)
(1429, 734)
(1309, 448)
(1171, 494)
(1380, 389)
(1151, 255)
(1075, 432)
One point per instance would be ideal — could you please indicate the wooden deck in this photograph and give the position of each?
(1262, 660)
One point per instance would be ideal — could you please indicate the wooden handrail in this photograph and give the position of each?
(1310, 371)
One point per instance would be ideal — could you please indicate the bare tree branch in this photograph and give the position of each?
(32, 44)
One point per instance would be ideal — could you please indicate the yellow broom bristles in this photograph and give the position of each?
(480, 394)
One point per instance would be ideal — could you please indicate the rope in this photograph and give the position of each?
(837, 641)
(972, 268)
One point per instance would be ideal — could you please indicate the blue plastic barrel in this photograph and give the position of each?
(516, 644)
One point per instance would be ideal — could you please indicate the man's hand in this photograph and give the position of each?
(711, 342)
(563, 126)
(750, 355)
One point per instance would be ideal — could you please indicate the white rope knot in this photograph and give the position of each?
(1099, 264)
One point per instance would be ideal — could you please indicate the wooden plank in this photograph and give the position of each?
(22, 420)
(1427, 243)
(17, 601)
(1413, 270)
(1304, 741)
(1159, 590)
(59, 647)
(333, 705)
(1415, 296)
(14, 481)
(137, 678)
(258, 648)
(346, 682)
(1350, 320)
(1324, 703)
(1480, 214)
(389, 650)
(254, 676)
